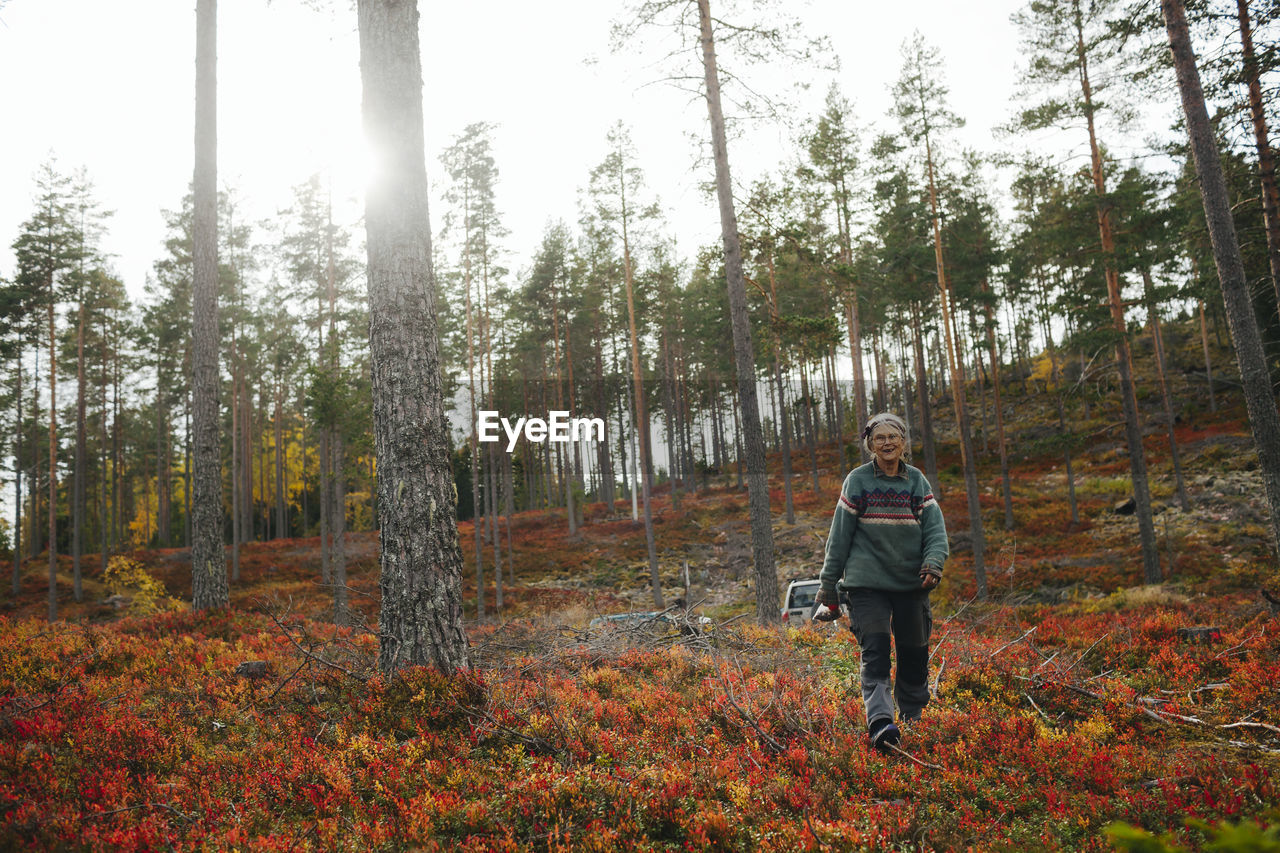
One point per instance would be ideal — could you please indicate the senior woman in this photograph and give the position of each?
(886, 549)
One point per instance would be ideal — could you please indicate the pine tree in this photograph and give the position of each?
(208, 563)
(920, 105)
(615, 189)
(421, 620)
(1259, 397)
(1064, 41)
(47, 251)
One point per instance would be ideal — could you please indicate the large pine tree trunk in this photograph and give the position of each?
(421, 620)
(766, 577)
(1124, 358)
(1259, 398)
(208, 562)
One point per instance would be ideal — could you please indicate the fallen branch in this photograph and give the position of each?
(1037, 707)
(1028, 633)
(900, 751)
(938, 680)
(1237, 645)
(312, 656)
(1252, 725)
(1086, 651)
(769, 740)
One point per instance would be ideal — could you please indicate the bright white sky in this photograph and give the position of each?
(109, 86)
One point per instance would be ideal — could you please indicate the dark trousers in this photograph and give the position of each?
(874, 617)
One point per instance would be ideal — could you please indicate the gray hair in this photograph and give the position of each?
(893, 422)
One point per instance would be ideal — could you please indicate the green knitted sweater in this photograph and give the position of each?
(883, 531)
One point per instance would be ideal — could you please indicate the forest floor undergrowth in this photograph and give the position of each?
(1073, 697)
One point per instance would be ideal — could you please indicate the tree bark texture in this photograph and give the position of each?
(208, 561)
(421, 620)
(757, 477)
(1259, 397)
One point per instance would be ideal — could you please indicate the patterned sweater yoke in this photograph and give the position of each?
(884, 530)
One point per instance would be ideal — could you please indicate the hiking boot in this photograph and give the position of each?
(884, 734)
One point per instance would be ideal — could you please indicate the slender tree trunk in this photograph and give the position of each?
(103, 456)
(1157, 340)
(17, 483)
(810, 429)
(641, 414)
(338, 529)
(785, 424)
(1259, 397)
(281, 530)
(607, 477)
(186, 476)
(926, 411)
(766, 578)
(477, 511)
(855, 356)
(565, 482)
(421, 618)
(53, 459)
(1266, 158)
(237, 534)
(78, 490)
(958, 387)
(1133, 427)
(995, 382)
(117, 440)
(670, 427)
(34, 536)
(246, 460)
(508, 496)
(1208, 362)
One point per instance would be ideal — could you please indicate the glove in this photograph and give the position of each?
(930, 577)
(828, 609)
(826, 613)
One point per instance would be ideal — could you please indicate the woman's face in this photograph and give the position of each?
(888, 446)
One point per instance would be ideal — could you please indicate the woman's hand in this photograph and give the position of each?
(828, 609)
(930, 577)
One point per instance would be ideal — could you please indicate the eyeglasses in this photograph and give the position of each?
(884, 439)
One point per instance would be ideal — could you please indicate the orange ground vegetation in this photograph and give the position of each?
(1071, 699)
